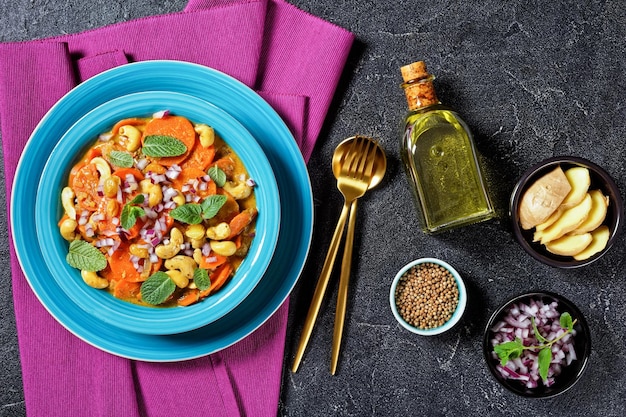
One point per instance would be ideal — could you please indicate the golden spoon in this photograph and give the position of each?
(356, 169)
(380, 167)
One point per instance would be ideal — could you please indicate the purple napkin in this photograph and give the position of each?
(294, 60)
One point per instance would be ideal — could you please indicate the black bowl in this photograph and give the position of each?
(569, 375)
(599, 180)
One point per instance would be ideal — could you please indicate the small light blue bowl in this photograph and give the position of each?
(100, 303)
(456, 316)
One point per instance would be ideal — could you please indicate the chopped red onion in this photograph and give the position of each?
(172, 173)
(84, 217)
(142, 164)
(517, 323)
(250, 182)
(160, 114)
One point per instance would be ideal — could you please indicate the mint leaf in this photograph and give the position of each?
(121, 159)
(85, 257)
(139, 199)
(508, 350)
(201, 279)
(544, 359)
(157, 288)
(566, 321)
(159, 146)
(538, 335)
(217, 175)
(130, 212)
(187, 213)
(212, 205)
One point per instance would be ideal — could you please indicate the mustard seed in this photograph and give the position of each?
(427, 295)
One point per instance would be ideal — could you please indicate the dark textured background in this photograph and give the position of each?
(532, 79)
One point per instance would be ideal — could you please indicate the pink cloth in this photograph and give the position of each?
(295, 61)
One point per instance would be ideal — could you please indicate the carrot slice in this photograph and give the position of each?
(218, 279)
(227, 165)
(200, 157)
(212, 261)
(85, 183)
(92, 153)
(174, 126)
(127, 290)
(123, 172)
(190, 296)
(240, 221)
(229, 210)
(122, 268)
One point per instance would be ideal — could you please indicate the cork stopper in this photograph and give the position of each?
(418, 85)
(414, 71)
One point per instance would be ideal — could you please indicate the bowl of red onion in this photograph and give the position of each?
(537, 344)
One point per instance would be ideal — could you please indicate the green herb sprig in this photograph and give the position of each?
(82, 255)
(193, 213)
(121, 159)
(160, 146)
(131, 212)
(513, 349)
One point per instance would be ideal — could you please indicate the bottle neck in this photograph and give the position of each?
(420, 93)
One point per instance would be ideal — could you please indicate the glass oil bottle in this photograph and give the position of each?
(440, 158)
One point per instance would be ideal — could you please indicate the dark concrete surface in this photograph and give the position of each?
(533, 80)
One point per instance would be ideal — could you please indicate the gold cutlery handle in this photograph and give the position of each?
(320, 288)
(342, 296)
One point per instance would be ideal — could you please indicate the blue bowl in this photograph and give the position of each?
(101, 304)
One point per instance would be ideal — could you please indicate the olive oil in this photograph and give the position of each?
(440, 158)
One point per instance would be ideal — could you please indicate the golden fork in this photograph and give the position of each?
(366, 168)
(352, 182)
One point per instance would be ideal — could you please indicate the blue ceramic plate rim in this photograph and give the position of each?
(456, 316)
(102, 304)
(281, 150)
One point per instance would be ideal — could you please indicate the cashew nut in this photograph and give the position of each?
(133, 137)
(218, 232)
(173, 247)
(103, 168)
(93, 280)
(147, 269)
(68, 229)
(112, 208)
(179, 279)
(67, 199)
(195, 231)
(155, 194)
(185, 264)
(238, 191)
(154, 167)
(179, 198)
(111, 186)
(223, 247)
(206, 133)
(197, 243)
(140, 251)
(197, 255)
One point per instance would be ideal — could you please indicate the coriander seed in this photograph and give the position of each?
(427, 295)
